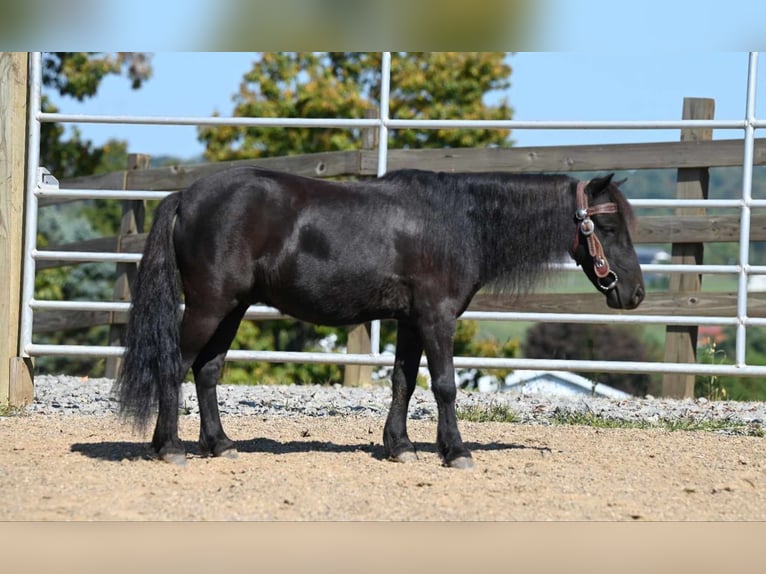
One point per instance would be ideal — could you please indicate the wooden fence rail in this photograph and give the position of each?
(663, 155)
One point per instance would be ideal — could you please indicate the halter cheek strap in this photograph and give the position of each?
(587, 228)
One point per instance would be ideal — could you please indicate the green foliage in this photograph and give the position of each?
(468, 343)
(8, 410)
(593, 343)
(710, 386)
(58, 225)
(494, 412)
(733, 388)
(346, 84)
(591, 419)
(66, 154)
(282, 335)
(78, 75)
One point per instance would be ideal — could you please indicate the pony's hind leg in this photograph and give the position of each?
(165, 441)
(208, 360)
(409, 349)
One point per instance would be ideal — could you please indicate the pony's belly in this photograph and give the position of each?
(343, 303)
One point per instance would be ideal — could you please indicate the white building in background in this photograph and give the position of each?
(550, 383)
(756, 283)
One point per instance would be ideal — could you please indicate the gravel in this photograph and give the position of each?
(72, 396)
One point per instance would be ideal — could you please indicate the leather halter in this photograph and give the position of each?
(587, 228)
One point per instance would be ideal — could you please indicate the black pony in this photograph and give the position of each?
(413, 246)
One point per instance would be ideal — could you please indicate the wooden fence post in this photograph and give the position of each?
(133, 215)
(681, 340)
(359, 336)
(16, 387)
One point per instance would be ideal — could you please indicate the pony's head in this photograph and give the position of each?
(602, 245)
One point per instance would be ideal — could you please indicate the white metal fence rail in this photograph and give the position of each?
(42, 185)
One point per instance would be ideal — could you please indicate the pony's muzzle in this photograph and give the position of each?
(638, 296)
(622, 297)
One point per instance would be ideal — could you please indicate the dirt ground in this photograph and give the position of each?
(332, 468)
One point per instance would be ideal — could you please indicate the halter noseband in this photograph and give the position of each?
(587, 228)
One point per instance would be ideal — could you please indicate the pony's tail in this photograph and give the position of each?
(152, 361)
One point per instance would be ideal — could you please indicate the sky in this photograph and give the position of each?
(605, 69)
(544, 86)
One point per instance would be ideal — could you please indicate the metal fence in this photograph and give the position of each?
(42, 185)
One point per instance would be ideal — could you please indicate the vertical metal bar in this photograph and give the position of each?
(385, 92)
(30, 234)
(747, 180)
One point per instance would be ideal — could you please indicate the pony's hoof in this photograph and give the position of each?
(224, 449)
(176, 458)
(406, 456)
(230, 453)
(463, 462)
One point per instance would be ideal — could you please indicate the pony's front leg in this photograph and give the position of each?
(409, 349)
(437, 339)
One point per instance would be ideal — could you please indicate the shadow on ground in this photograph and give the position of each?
(124, 450)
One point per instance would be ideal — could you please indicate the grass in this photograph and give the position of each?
(593, 420)
(493, 413)
(496, 412)
(711, 386)
(7, 410)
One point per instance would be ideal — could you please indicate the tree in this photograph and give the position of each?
(78, 75)
(347, 84)
(591, 343)
(67, 154)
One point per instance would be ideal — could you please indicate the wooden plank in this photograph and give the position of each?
(661, 155)
(696, 229)
(14, 385)
(325, 164)
(47, 321)
(172, 178)
(133, 243)
(702, 304)
(358, 342)
(681, 341)
(21, 391)
(107, 181)
(105, 244)
(111, 180)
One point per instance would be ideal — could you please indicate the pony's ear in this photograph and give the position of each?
(599, 184)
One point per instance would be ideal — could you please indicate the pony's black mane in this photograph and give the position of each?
(514, 225)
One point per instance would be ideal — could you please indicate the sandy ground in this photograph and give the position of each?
(332, 468)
